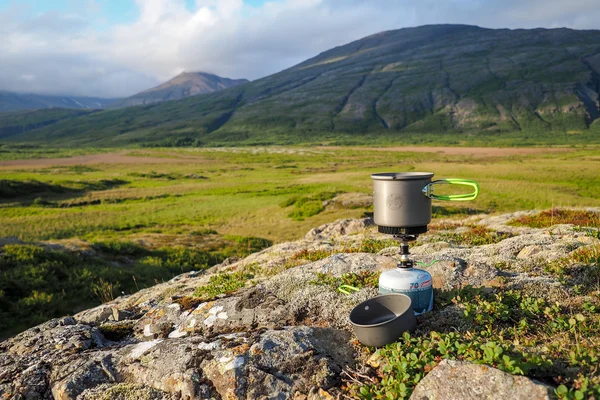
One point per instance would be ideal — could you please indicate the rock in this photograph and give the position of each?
(73, 378)
(350, 201)
(32, 382)
(283, 362)
(170, 366)
(120, 315)
(96, 315)
(529, 251)
(458, 380)
(159, 321)
(57, 337)
(339, 228)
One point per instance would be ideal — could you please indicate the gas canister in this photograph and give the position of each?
(413, 282)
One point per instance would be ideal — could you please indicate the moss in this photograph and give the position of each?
(117, 331)
(356, 279)
(187, 302)
(125, 391)
(223, 284)
(311, 255)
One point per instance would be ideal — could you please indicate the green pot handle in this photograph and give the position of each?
(428, 190)
(346, 289)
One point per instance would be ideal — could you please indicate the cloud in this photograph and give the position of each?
(66, 53)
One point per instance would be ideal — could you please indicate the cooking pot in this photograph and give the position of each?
(403, 199)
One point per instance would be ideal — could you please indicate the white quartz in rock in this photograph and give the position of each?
(143, 347)
(147, 330)
(209, 346)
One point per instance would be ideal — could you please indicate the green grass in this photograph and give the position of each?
(38, 283)
(31, 151)
(155, 220)
(247, 193)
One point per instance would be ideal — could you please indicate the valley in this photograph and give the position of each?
(127, 219)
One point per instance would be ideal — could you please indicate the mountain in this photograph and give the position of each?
(445, 83)
(183, 85)
(11, 101)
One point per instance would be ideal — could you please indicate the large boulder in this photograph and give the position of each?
(460, 380)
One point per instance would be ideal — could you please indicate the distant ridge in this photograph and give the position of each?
(449, 84)
(183, 85)
(11, 101)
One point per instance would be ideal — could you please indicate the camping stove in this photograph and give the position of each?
(413, 282)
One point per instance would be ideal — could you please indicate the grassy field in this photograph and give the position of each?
(241, 191)
(101, 223)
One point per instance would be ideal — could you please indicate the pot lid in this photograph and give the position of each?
(401, 176)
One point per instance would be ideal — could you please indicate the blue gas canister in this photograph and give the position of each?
(413, 282)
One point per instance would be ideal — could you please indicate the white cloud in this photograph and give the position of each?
(65, 54)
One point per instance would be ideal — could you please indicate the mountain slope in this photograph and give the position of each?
(431, 80)
(10, 101)
(17, 122)
(183, 85)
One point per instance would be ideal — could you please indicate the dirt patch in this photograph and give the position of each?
(467, 151)
(90, 159)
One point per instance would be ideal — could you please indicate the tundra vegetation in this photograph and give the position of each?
(552, 338)
(74, 235)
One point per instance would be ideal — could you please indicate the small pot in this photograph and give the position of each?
(403, 199)
(383, 319)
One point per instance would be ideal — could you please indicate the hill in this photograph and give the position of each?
(17, 122)
(11, 101)
(183, 85)
(442, 83)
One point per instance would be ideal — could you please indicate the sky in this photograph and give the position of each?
(115, 48)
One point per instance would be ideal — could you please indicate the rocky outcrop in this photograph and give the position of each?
(285, 334)
(452, 380)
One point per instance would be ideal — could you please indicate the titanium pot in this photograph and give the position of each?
(403, 199)
(382, 319)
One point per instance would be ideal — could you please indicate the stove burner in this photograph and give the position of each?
(404, 236)
(392, 230)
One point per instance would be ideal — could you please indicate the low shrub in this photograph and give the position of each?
(517, 333)
(473, 236)
(547, 218)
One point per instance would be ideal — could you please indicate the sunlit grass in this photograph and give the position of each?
(240, 190)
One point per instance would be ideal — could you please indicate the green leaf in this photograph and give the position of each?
(562, 390)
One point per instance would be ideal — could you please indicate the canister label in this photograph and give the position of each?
(421, 295)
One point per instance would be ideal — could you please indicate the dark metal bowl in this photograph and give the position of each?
(383, 319)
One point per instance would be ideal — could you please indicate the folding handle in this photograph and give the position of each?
(428, 190)
(346, 289)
